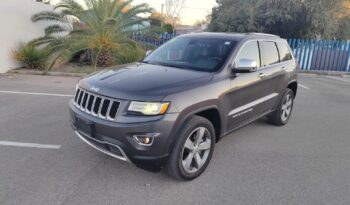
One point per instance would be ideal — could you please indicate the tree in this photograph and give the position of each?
(173, 10)
(104, 29)
(287, 18)
(168, 28)
(323, 16)
(344, 21)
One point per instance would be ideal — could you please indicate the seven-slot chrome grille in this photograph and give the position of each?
(96, 105)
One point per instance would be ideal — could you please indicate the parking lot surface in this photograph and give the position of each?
(305, 162)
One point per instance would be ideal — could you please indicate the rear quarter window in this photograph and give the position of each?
(269, 53)
(284, 51)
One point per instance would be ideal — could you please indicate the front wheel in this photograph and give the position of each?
(284, 110)
(193, 149)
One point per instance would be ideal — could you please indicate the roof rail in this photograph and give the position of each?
(263, 34)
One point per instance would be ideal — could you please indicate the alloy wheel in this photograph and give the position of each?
(196, 150)
(286, 107)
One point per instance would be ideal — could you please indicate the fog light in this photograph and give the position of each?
(145, 140)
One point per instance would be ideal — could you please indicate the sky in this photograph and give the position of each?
(194, 9)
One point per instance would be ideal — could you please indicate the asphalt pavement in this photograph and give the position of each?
(305, 162)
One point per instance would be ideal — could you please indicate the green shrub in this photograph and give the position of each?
(129, 54)
(147, 46)
(31, 56)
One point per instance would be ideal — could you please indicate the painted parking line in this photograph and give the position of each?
(34, 93)
(337, 78)
(32, 145)
(303, 86)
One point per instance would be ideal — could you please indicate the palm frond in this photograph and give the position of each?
(42, 40)
(56, 28)
(104, 27)
(70, 5)
(49, 16)
(120, 7)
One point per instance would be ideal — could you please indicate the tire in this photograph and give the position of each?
(184, 163)
(284, 110)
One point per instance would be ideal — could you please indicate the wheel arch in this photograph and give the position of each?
(211, 113)
(293, 85)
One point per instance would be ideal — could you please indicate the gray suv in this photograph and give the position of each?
(170, 109)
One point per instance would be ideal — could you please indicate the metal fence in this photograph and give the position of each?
(312, 55)
(322, 55)
(154, 40)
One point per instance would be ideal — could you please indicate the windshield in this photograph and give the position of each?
(202, 54)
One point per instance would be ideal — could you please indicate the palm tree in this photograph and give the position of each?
(106, 24)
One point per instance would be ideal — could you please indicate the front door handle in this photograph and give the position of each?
(262, 75)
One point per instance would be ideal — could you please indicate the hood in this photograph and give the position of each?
(144, 82)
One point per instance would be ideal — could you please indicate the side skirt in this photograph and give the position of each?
(246, 123)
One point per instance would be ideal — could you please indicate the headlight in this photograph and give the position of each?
(149, 108)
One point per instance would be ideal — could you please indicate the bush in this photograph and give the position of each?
(129, 54)
(31, 56)
(147, 46)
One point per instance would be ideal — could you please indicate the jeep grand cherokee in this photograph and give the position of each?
(170, 109)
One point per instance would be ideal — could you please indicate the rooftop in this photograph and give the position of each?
(231, 36)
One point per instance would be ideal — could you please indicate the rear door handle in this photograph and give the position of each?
(262, 75)
(284, 68)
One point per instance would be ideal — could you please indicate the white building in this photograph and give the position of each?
(16, 27)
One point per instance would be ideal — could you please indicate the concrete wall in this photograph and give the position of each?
(16, 27)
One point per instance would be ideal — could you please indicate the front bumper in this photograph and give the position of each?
(103, 146)
(116, 139)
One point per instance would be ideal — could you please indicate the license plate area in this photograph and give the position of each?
(85, 126)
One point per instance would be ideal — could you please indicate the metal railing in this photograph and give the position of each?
(321, 55)
(154, 40)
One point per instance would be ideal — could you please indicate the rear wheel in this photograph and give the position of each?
(193, 150)
(284, 110)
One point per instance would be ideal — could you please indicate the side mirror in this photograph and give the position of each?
(148, 52)
(245, 66)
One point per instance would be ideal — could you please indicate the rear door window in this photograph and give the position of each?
(284, 51)
(269, 53)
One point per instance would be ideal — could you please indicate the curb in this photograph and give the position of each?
(36, 72)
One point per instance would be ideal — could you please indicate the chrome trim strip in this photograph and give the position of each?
(93, 106)
(87, 104)
(252, 104)
(123, 158)
(100, 107)
(109, 110)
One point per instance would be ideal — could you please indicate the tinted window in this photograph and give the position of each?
(285, 54)
(269, 53)
(250, 51)
(202, 54)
